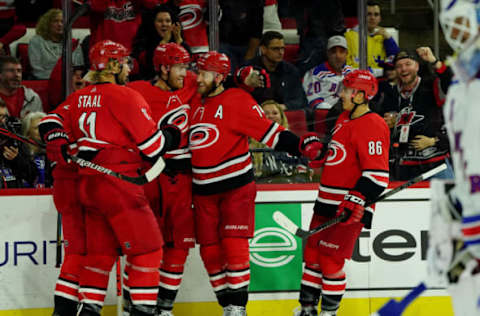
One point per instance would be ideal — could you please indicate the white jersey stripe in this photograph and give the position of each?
(223, 165)
(224, 177)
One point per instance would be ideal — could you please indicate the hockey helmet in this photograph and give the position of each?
(460, 20)
(170, 54)
(102, 52)
(362, 80)
(214, 61)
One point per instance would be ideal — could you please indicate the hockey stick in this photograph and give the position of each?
(394, 308)
(148, 176)
(119, 286)
(282, 220)
(151, 173)
(58, 245)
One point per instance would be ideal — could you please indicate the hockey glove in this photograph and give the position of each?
(173, 136)
(353, 205)
(57, 146)
(311, 147)
(251, 77)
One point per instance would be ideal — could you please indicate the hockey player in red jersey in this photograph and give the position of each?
(170, 195)
(113, 127)
(355, 172)
(223, 187)
(66, 202)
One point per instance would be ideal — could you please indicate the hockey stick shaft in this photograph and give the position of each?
(382, 197)
(58, 245)
(119, 285)
(151, 174)
(286, 223)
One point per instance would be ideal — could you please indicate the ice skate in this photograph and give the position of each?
(234, 310)
(305, 311)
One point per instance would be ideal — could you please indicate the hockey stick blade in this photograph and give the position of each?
(151, 174)
(286, 223)
(394, 308)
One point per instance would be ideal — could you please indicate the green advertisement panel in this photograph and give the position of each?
(275, 254)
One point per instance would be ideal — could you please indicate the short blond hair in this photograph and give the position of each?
(284, 120)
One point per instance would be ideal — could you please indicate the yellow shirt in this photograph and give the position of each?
(375, 49)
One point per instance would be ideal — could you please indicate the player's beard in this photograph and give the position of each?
(209, 88)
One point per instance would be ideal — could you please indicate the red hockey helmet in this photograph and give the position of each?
(214, 61)
(170, 54)
(101, 53)
(362, 80)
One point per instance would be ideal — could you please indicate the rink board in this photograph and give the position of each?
(387, 262)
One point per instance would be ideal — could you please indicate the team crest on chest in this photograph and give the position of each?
(336, 153)
(203, 135)
(177, 116)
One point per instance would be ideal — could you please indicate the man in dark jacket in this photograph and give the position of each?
(415, 116)
(17, 170)
(286, 83)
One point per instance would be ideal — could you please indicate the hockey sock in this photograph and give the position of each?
(311, 286)
(236, 252)
(332, 292)
(171, 273)
(66, 288)
(216, 267)
(143, 280)
(94, 282)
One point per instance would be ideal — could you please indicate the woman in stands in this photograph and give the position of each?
(160, 26)
(280, 167)
(45, 48)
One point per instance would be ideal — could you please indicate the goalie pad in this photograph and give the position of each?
(465, 292)
(444, 234)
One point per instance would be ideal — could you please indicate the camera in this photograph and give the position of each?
(12, 124)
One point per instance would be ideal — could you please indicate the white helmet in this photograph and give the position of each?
(460, 20)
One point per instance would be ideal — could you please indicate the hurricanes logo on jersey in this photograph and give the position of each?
(203, 135)
(191, 15)
(177, 117)
(336, 153)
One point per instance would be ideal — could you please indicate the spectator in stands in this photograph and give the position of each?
(241, 28)
(380, 43)
(45, 48)
(55, 93)
(273, 166)
(386, 85)
(317, 21)
(17, 170)
(321, 83)
(19, 99)
(418, 135)
(286, 86)
(117, 20)
(10, 30)
(159, 26)
(38, 155)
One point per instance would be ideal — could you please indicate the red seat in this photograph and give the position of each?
(291, 53)
(40, 87)
(288, 23)
(320, 121)
(297, 122)
(351, 22)
(22, 54)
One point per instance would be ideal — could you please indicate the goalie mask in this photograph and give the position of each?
(460, 20)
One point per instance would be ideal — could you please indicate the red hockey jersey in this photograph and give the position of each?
(194, 25)
(171, 107)
(357, 159)
(219, 135)
(113, 124)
